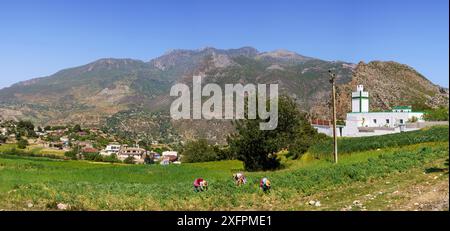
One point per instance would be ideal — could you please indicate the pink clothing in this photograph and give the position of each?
(197, 182)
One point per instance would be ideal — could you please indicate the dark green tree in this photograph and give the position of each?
(22, 143)
(27, 125)
(76, 128)
(148, 159)
(198, 151)
(2, 138)
(258, 148)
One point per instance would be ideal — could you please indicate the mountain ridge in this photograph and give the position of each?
(108, 88)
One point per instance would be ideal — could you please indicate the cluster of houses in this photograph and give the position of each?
(62, 141)
(124, 151)
(4, 132)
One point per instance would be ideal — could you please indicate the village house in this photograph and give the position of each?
(169, 157)
(95, 130)
(58, 132)
(64, 140)
(3, 131)
(82, 133)
(137, 153)
(89, 150)
(112, 148)
(156, 156)
(83, 144)
(41, 134)
(170, 154)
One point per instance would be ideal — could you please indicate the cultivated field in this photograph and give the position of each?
(406, 176)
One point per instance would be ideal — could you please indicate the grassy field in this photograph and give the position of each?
(82, 185)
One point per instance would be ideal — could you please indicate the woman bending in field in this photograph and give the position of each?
(239, 178)
(264, 184)
(200, 185)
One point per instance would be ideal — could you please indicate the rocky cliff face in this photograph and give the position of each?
(392, 84)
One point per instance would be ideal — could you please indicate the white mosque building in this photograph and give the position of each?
(362, 122)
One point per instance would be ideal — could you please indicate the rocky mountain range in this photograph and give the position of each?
(131, 97)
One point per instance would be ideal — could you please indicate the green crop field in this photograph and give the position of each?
(358, 144)
(38, 183)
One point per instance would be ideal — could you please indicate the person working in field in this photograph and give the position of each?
(200, 185)
(264, 184)
(239, 178)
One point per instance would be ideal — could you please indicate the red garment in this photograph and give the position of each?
(197, 182)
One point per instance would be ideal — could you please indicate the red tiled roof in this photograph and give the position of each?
(89, 150)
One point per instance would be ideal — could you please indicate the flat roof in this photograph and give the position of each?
(402, 107)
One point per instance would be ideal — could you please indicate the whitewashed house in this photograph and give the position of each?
(110, 149)
(3, 131)
(137, 153)
(170, 153)
(169, 156)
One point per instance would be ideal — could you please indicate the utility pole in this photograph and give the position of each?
(333, 92)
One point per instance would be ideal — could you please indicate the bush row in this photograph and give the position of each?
(18, 152)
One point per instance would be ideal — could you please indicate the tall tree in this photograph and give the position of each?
(258, 148)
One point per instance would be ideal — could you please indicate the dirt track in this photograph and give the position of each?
(427, 197)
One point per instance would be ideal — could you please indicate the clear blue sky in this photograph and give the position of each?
(38, 38)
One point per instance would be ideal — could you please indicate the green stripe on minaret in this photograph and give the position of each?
(357, 97)
(360, 101)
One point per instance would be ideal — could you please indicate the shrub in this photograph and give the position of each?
(111, 158)
(413, 119)
(129, 160)
(22, 143)
(71, 154)
(98, 157)
(94, 156)
(439, 114)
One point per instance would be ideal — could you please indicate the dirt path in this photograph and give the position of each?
(422, 189)
(427, 197)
